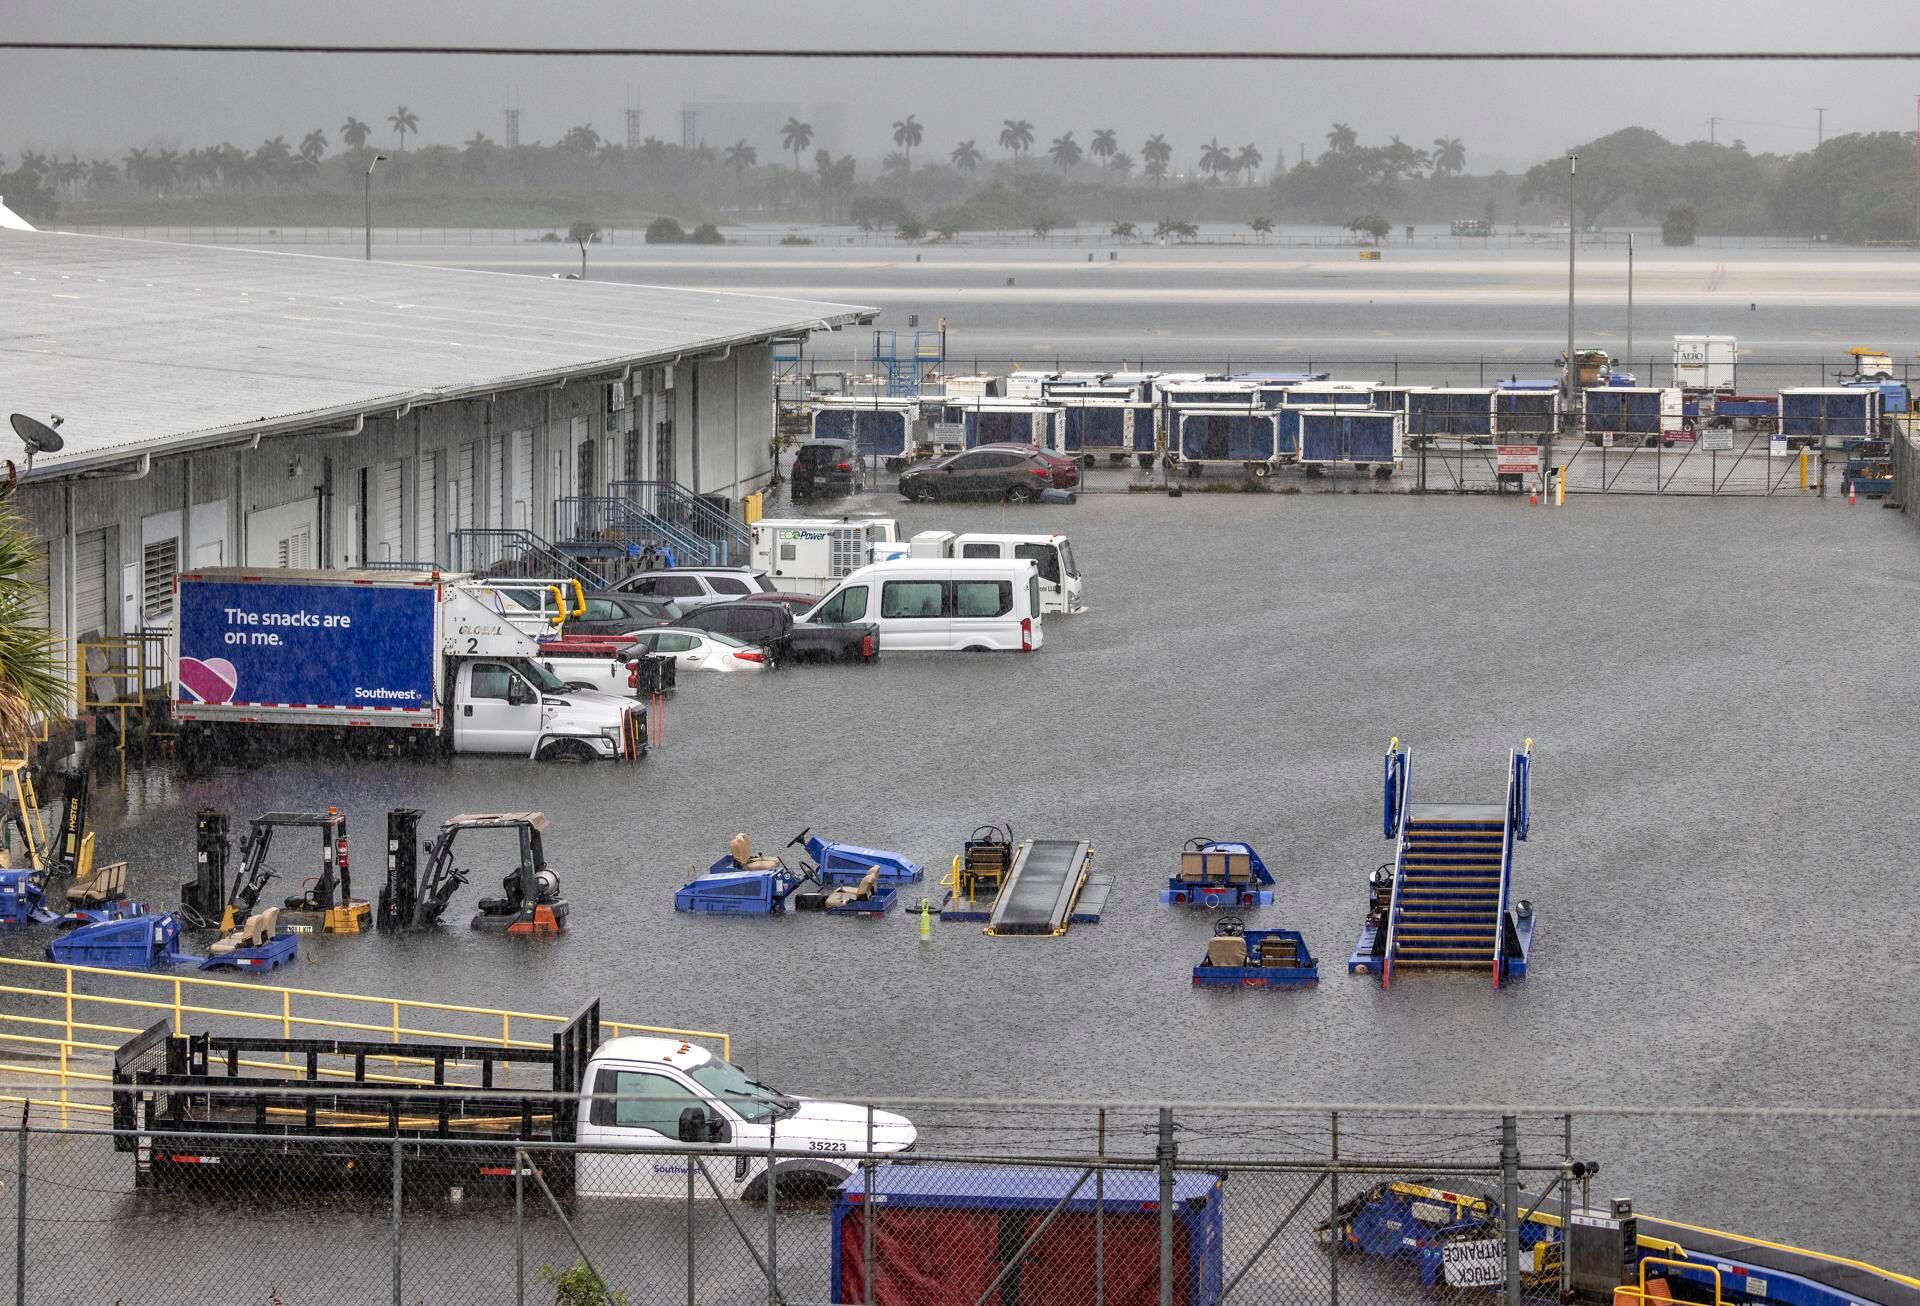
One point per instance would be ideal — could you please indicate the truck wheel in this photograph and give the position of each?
(568, 750)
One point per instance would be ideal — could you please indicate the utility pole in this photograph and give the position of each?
(375, 162)
(1713, 127)
(1573, 369)
(1916, 166)
(1820, 128)
(1630, 302)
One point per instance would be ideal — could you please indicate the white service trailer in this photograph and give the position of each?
(807, 555)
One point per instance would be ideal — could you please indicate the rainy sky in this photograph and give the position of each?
(1508, 116)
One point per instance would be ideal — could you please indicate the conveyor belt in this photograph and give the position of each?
(1041, 887)
(1846, 1278)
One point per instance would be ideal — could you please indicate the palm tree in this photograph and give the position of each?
(1016, 134)
(1215, 158)
(1449, 155)
(1248, 160)
(272, 157)
(403, 120)
(1262, 225)
(1065, 151)
(895, 164)
(583, 139)
(476, 153)
(313, 145)
(966, 156)
(354, 132)
(795, 136)
(740, 157)
(101, 175)
(1123, 164)
(32, 682)
(1158, 155)
(907, 134)
(1342, 138)
(1122, 231)
(1104, 145)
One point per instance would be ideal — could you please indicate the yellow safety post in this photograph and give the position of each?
(926, 921)
(1560, 487)
(1803, 469)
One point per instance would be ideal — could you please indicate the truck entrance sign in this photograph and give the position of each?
(1481, 1263)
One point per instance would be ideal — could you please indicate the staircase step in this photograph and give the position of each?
(1438, 963)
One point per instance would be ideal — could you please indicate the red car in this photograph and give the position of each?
(1066, 471)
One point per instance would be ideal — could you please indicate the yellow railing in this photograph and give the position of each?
(84, 1020)
(129, 665)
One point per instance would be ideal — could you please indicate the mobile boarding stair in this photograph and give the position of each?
(1452, 906)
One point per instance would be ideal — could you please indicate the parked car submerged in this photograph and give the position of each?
(610, 612)
(1066, 471)
(689, 586)
(823, 468)
(771, 625)
(700, 650)
(984, 473)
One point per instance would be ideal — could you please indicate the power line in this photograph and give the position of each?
(1042, 56)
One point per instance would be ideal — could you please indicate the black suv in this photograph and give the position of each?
(825, 467)
(770, 624)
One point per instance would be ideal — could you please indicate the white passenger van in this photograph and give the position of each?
(1052, 554)
(930, 605)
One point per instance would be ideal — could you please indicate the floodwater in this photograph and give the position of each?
(1714, 688)
(1717, 855)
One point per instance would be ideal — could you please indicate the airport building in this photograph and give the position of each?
(223, 407)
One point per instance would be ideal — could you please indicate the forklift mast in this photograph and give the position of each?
(204, 896)
(74, 797)
(439, 880)
(251, 879)
(402, 890)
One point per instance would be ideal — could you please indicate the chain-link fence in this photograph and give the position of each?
(235, 1195)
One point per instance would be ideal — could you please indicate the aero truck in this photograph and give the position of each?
(420, 655)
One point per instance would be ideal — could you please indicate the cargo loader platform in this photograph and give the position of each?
(1048, 886)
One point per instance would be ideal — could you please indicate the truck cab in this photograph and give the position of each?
(645, 1094)
(516, 705)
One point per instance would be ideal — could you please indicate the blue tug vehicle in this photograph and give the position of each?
(1238, 957)
(849, 880)
(1217, 873)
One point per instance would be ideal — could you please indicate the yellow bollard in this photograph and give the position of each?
(926, 921)
(1803, 469)
(1560, 487)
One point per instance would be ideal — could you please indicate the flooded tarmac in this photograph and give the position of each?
(1718, 855)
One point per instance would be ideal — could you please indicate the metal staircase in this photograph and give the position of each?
(725, 537)
(1452, 907)
(909, 364)
(613, 527)
(505, 551)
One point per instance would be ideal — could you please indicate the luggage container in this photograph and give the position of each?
(879, 428)
(1366, 440)
(1003, 421)
(1626, 415)
(1826, 417)
(1451, 414)
(1117, 428)
(1526, 408)
(1222, 436)
(961, 1234)
(1331, 394)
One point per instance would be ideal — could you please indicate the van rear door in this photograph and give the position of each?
(986, 612)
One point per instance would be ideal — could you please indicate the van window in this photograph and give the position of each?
(912, 598)
(764, 583)
(977, 550)
(1043, 557)
(845, 607)
(661, 1100)
(676, 587)
(982, 598)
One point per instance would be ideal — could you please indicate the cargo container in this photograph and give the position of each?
(1450, 414)
(1367, 440)
(879, 428)
(1829, 416)
(1526, 408)
(1624, 415)
(944, 1235)
(1003, 421)
(1705, 362)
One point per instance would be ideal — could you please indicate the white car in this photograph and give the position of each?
(701, 650)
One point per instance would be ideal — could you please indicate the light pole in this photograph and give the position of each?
(1629, 354)
(375, 162)
(1573, 367)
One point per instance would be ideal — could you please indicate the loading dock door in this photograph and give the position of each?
(391, 539)
(283, 536)
(90, 585)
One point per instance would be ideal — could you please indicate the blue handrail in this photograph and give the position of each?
(1399, 782)
(1519, 803)
(503, 551)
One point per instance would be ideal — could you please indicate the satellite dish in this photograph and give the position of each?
(36, 435)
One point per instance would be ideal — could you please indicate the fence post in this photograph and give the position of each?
(1566, 1208)
(693, 1164)
(1333, 1213)
(1510, 1200)
(519, 1227)
(773, 1221)
(20, 1214)
(1163, 1153)
(1100, 1213)
(866, 1216)
(396, 1222)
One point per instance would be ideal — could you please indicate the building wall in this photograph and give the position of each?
(392, 491)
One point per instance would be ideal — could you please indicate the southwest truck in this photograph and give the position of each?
(422, 657)
(295, 1113)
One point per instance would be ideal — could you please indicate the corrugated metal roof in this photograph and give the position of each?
(147, 347)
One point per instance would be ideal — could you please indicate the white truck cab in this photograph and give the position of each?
(1051, 555)
(642, 1096)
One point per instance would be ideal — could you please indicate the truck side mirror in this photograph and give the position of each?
(518, 695)
(694, 1126)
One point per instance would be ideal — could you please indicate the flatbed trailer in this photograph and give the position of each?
(257, 1111)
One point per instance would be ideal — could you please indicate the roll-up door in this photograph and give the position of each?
(520, 487)
(391, 539)
(90, 584)
(467, 469)
(426, 496)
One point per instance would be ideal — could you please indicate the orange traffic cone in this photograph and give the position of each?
(1849, 494)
